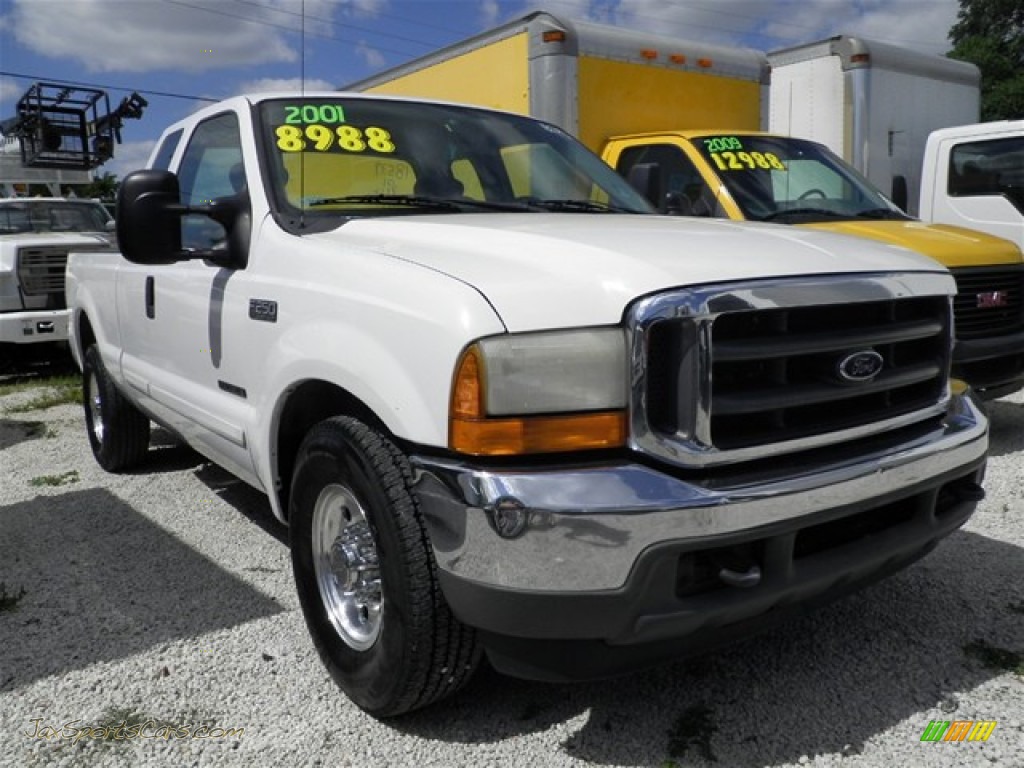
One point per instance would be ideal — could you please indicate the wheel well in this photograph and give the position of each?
(86, 335)
(308, 404)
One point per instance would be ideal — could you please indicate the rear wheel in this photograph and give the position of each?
(366, 575)
(118, 431)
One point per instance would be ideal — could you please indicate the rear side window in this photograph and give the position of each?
(162, 161)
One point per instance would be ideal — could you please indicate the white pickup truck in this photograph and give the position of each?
(504, 407)
(36, 234)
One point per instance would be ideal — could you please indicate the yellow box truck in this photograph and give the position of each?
(686, 122)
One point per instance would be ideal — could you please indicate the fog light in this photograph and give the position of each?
(509, 517)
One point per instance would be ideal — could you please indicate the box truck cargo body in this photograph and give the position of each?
(873, 104)
(592, 80)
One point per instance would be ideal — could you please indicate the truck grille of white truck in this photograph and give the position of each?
(744, 372)
(989, 301)
(41, 271)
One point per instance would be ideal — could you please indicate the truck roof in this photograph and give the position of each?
(861, 53)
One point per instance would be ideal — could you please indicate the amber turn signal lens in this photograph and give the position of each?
(538, 434)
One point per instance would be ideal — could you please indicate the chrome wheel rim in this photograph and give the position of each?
(346, 566)
(95, 405)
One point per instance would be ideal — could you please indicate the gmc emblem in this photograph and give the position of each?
(992, 299)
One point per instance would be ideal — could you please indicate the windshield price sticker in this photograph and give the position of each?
(305, 114)
(728, 154)
(324, 138)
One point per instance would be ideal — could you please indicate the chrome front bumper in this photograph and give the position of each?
(582, 529)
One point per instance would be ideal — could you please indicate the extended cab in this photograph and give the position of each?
(682, 118)
(35, 237)
(502, 405)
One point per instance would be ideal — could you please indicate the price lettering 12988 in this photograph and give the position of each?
(292, 138)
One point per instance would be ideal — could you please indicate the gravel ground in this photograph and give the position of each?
(165, 598)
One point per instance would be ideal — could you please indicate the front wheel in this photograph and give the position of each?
(118, 431)
(366, 575)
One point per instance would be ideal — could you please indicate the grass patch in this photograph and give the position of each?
(994, 657)
(59, 390)
(693, 729)
(9, 600)
(65, 478)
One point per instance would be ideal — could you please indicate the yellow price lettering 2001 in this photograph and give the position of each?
(292, 138)
(744, 161)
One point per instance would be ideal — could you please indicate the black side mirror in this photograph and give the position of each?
(645, 178)
(149, 218)
(899, 191)
(149, 222)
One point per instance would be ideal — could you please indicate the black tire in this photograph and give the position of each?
(377, 615)
(118, 431)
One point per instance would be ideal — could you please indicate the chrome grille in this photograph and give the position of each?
(41, 270)
(989, 301)
(745, 371)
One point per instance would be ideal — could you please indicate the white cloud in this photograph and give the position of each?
(490, 13)
(135, 36)
(128, 157)
(268, 84)
(373, 58)
(9, 91)
(365, 8)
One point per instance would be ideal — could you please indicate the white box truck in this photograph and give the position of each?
(873, 104)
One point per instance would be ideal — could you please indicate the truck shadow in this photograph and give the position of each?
(826, 683)
(1006, 426)
(88, 579)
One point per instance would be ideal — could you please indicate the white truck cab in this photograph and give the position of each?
(973, 177)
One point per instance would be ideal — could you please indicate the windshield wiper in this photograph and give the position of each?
(881, 213)
(574, 206)
(804, 212)
(422, 201)
(411, 200)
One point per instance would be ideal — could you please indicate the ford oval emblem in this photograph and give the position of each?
(860, 366)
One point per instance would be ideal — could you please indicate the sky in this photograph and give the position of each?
(182, 54)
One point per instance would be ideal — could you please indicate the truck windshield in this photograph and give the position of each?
(776, 178)
(22, 215)
(351, 156)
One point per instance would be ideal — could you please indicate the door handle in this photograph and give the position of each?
(150, 298)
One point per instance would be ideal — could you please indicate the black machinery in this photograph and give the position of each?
(61, 126)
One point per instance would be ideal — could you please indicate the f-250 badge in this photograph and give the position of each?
(263, 309)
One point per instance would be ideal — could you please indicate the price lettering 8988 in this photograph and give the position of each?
(321, 138)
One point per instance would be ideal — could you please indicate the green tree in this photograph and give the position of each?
(103, 187)
(990, 34)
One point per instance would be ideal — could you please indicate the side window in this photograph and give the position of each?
(681, 182)
(162, 161)
(211, 168)
(993, 167)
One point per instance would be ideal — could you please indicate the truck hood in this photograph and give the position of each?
(552, 270)
(951, 246)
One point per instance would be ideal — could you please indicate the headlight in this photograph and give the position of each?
(540, 392)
